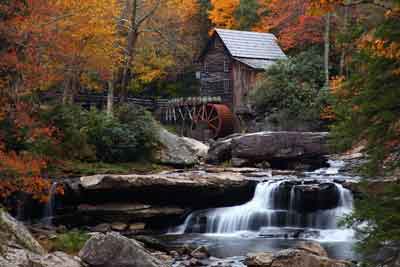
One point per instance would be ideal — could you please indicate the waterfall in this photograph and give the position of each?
(48, 212)
(269, 208)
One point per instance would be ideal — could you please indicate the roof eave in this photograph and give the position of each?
(213, 36)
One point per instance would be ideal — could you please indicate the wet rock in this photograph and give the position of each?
(200, 253)
(262, 259)
(59, 259)
(179, 151)
(119, 227)
(238, 162)
(278, 148)
(291, 233)
(308, 195)
(126, 212)
(263, 165)
(137, 227)
(316, 197)
(152, 243)
(220, 151)
(101, 228)
(114, 250)
(296, 258)
(312, 247)
(163, 256)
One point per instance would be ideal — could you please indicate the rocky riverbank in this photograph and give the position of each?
(19, 248)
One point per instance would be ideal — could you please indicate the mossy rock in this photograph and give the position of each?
(15, 233)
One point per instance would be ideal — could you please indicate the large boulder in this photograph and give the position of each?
(114, 250)
(14, 234)
(19, 248)
(179, 151)
(273, 147)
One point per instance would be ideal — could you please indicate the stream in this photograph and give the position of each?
(283, 210)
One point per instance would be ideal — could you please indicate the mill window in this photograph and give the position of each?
(205, 67)
(226, 64)
(226, 86)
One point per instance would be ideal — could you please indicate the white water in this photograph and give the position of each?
(264, 213)
(48, 212)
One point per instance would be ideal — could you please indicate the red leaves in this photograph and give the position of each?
(293, 23)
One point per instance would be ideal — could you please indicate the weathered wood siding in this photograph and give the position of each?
(243, 79)
(216, 72)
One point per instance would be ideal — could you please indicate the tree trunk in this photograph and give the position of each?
(67, 88)
(327, 47)
(132, 37)
(110, 97)
(344, 46)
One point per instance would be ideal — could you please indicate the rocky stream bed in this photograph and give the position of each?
(208, 215)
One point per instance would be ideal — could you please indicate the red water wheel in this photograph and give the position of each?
(210, 121)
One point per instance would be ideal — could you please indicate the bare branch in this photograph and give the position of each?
(148, 15)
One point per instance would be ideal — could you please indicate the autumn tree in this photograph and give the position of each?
(366, 106)
(45, 44)
(159, 36)
(292, 23)
(239, 14)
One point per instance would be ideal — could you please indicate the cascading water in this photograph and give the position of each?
(48, 212)
(313, 206)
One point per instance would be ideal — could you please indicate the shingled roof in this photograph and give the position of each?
(254, 45)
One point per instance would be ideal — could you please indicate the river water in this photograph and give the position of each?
(277, 217)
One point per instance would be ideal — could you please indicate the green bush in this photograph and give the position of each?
(128, 136)
(71, 242)
(95, 136)
(71, 124)
(293, 87)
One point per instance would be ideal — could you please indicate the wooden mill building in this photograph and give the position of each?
(231, 62)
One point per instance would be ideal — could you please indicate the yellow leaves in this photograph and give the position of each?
(381, 48)
(222, 13)
(183, 9)
(337, 86)
(321, 7)
(149, 66)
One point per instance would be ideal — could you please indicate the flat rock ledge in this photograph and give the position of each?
(177, 188)
(154, 198)
(128, 212)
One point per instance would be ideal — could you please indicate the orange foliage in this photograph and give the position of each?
(23, 171)
(291, 20)
(328, 113)
(52, 38)
(222, 13)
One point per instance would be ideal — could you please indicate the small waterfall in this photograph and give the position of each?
(268, 208)
(310, 207)
(48, 212)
